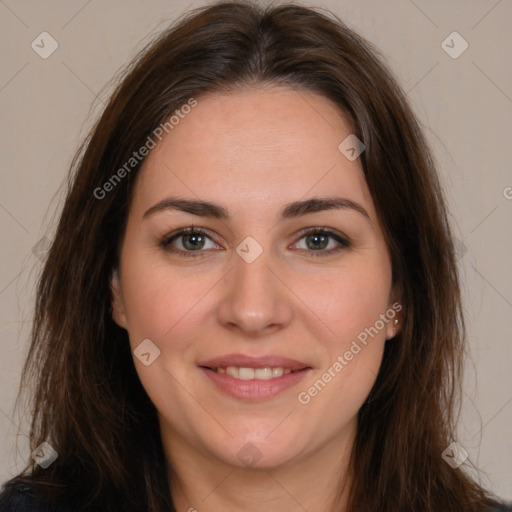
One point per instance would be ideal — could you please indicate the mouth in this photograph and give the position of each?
(254, 378)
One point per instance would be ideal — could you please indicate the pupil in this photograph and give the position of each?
(194, 238)
(319, 237)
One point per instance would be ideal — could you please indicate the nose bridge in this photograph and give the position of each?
(253, 279)
(254, 298)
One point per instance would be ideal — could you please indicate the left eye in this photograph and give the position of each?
(318, 239)
(194, 239)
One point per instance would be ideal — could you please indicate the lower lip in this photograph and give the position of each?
(254, 389)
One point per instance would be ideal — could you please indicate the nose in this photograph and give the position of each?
(256, 300)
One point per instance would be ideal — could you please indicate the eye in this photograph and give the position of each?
(191, 239)
(317, 239)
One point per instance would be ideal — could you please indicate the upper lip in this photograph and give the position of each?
(245, 361)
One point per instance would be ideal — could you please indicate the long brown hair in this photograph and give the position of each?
(88, 402)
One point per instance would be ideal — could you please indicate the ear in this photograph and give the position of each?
(118, 311)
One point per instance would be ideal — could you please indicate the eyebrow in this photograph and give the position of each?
(290, 210)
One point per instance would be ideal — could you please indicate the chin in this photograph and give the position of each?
(261, 449)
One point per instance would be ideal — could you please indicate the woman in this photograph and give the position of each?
(251, 301)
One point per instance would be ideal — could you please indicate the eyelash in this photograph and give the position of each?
(165, 243)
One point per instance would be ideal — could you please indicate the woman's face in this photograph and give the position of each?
(304, 315)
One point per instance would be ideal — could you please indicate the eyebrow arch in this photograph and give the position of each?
(290, 210)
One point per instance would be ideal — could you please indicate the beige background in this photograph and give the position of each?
(465, 104)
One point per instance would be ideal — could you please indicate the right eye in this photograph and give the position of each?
(191, 239)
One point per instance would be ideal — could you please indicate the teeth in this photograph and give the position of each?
(277, 372)
(242, 373)
(245, 373)
(263, 373)
(232, 371)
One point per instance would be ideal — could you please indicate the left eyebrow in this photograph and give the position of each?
(290, 210)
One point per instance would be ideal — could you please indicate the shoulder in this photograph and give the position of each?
(18, 496)
(503, 507)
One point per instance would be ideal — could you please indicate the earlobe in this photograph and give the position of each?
(118, 312)
(395, 315)
(393, 328)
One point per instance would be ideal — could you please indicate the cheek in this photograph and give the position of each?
(350, 299)
(351, 303)
(159, 300)
(359, 315)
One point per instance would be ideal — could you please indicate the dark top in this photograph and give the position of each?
(20, 498)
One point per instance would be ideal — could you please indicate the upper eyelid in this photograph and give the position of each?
(184, 231)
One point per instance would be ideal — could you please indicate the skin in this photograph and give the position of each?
(253, 151)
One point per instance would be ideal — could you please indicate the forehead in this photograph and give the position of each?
(253, 147)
